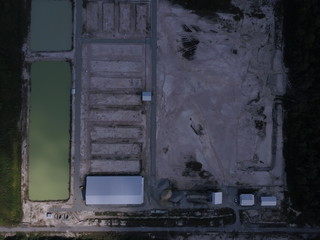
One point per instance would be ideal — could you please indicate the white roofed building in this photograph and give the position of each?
(268, 201)
(114, 190)
(246, 199)
(216, 198)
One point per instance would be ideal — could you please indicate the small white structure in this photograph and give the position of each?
(114, 190)
(73, 91)
(216, 198)
(268, 201)
(49, 215)
(146, 96)
(246, 199)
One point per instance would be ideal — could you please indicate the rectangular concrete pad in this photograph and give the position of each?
(103, 51)
(115, 115)
(125, 12)
(108, 17)
(116, 66)
(115, 148)
(115, 132)
(104, 83)
(92, 17)
(141, 18)
(115, 166)
(114, 99)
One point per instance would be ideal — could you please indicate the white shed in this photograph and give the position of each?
(146, 96)
(246, 199)
(216, 198)
(268, 201)
(114, 190)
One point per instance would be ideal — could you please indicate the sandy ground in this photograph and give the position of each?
(218, 108)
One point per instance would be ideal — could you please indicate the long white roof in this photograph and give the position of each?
(114, 190)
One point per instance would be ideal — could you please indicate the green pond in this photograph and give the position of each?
(49, 131)
(51, 25)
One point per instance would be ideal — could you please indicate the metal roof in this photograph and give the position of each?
(146, 96)
(216, 198)
(268, 201)
(114, 190)
(246, 199)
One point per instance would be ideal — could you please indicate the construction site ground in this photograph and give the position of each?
(215, 108)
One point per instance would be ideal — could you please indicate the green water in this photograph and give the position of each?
(49, 131)
(51, 25)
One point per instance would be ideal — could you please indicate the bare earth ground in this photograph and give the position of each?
(219, 108)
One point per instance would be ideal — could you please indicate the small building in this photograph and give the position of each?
(216, 198)
(114, 190)
(73, 91)
(246, 199)
(146, 96)
(268, 201)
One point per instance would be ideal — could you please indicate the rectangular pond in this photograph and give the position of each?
(51, 25)
(49, 131)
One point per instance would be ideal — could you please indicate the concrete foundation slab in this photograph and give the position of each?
(125, 11)
(104, 83)
(115, 132)
(108, 17)
(115, 149)
(92, 17)
(116, 66)
(116, 115)
(115, 166)
(114, 99)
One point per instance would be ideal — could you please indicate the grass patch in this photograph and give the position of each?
(12, 19)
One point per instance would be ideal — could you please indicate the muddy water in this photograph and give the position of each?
(49, 131)
(51, 25)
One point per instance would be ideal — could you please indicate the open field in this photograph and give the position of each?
(49, 131)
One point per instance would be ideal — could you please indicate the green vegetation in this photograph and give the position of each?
(302, 105)
(13, 24)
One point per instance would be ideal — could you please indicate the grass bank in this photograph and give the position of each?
(302, 105)
(13, 25)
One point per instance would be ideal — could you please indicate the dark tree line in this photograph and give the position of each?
(13, 22)
(302, 106)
